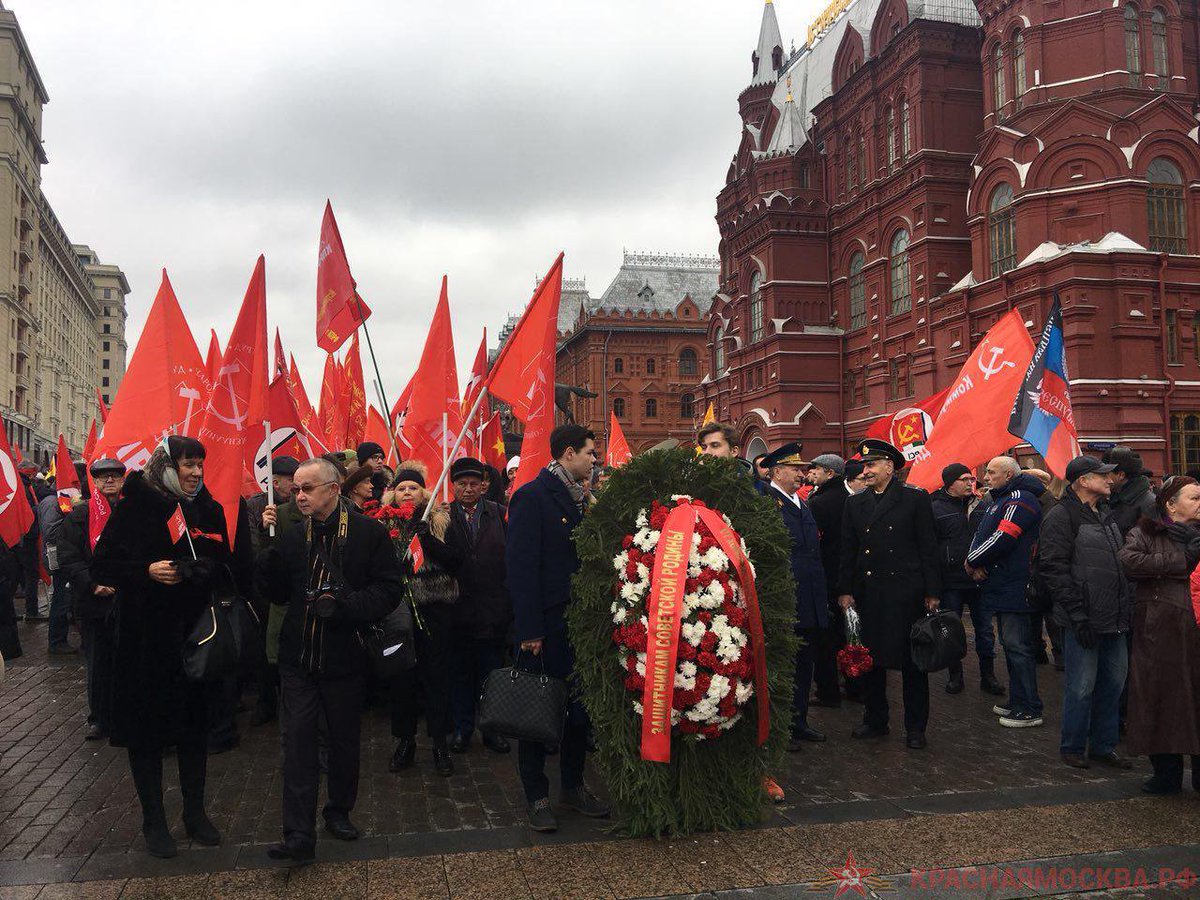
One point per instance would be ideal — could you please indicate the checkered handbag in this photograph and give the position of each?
(527, 706)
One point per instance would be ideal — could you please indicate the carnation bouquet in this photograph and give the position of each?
(854, 659)
(715, 713)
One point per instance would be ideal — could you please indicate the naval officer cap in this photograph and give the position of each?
(873, 449)
(787, 455)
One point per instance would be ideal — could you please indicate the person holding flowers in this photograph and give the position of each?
(434, 594)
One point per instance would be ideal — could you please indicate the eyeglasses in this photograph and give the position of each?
(107, 476)
(969, 479)
(310, 488)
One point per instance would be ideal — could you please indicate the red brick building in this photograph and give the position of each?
(640, 347)
(921, 167)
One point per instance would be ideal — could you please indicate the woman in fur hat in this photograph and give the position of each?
(434, 592)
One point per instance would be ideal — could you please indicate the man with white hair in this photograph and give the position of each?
(1000, 558)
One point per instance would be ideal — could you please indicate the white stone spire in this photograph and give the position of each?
(789, 135)
(769, 43)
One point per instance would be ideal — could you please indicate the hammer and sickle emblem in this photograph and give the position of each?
(996, 365)
(906, 433)
(225, 376)
(326, 299)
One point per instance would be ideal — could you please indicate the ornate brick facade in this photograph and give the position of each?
(923, 167)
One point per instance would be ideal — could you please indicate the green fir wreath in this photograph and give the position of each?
(709, 784)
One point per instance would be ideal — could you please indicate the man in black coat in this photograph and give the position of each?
(786, 468)
(834, 480)
(956, 526)
(335, 574)
(483, 613)
(890, 574)
(540, 557)
(93, 604)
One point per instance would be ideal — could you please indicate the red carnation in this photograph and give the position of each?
(709, 641)
(627, 542)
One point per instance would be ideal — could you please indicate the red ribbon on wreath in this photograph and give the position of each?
(664, 615)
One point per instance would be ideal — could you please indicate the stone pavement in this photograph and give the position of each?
(70, 825)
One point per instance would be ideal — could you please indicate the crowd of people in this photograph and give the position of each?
(1099, 563)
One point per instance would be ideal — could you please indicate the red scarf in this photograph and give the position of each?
(99, 512)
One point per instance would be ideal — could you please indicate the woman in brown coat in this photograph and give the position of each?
(1164, 679)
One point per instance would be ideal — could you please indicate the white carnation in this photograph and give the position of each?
(743, 692)
(693, 632)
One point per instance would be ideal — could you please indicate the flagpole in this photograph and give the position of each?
(270, 469)
(437, 487)
(390, 421)
(362, 321)
(445, 457)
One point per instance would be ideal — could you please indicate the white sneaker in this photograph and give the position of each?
(1001, 710)
(1021, 720)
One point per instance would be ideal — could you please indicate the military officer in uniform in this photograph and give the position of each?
(785, 468)
(889, 573)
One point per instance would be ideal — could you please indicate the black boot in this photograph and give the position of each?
(1196, 773)
(955, 683)
(442, 763)
(193, 773)
(1168, 774)
(146, 768)
(402, 757)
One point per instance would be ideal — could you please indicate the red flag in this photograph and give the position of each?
(434, 394)
(617, 453)
(177, 525)
(288, 435)
(99, 512)
(339, 308)
(972, 426)
(66, 479)
(90, 444)
(908, 429)
(103, 406)
(238, 401)
(475, 382)
(377, 430)
(523, 375)
(281, 368)
(491, 444)
(16, 515)
(309, 421)
(416, 552)
(399, 414)
(164, 390)
(330, 400)
(354, 396)
(212, 360)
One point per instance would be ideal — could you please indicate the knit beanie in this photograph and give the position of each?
(952, 473)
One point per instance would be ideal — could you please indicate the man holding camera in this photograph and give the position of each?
(336, 573)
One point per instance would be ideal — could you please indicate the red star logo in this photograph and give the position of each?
(851, 877)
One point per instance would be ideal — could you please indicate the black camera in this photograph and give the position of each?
(324, 599)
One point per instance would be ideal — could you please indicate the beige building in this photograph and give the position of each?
(62, 312)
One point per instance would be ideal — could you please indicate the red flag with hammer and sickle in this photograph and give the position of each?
(339, 308)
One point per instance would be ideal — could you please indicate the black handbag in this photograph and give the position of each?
(390, 645)
(223, 641)
(938, 640)
(527, 706)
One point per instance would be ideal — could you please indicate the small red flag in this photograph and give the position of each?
(66, 479)
(491, 444)
(354, 396)
(377, 430)
(908, 429)
(435, 394)
(330, 401)
(339, 308)
(90, 444)
(418, 554)
(212, 361)
(617, 452)
(16, 515)
(103, 406)
(177, 525)
(280, 359)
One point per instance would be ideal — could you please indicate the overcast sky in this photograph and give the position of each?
(470, 138)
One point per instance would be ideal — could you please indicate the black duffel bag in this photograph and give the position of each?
(390, 644)
(527, 706)
(938, 640)
(224, 641)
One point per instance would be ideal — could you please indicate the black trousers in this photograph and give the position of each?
(1168, 768)
(10, 639)
(305, 698)
(805, 655)
(825, 672)
(916, 697)
(558, 657)
(99, 644)
(432, 675)
(191, 754)
(223, 696)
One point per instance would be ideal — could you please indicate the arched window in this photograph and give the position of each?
(719, 352)
(901, 285)
(1164, 208)
(618, 365)
(1133, 44)
(1002, 230)
(1018, 67)
(757, 313)
(1158, 43)
(999, 95)
(858, 292)
(619, 407)
(891, 138)
(687, 361)
(650, 366)
(687, 406)
(651, 408)
(905, 129)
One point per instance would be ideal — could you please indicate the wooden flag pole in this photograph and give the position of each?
(270, 469)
